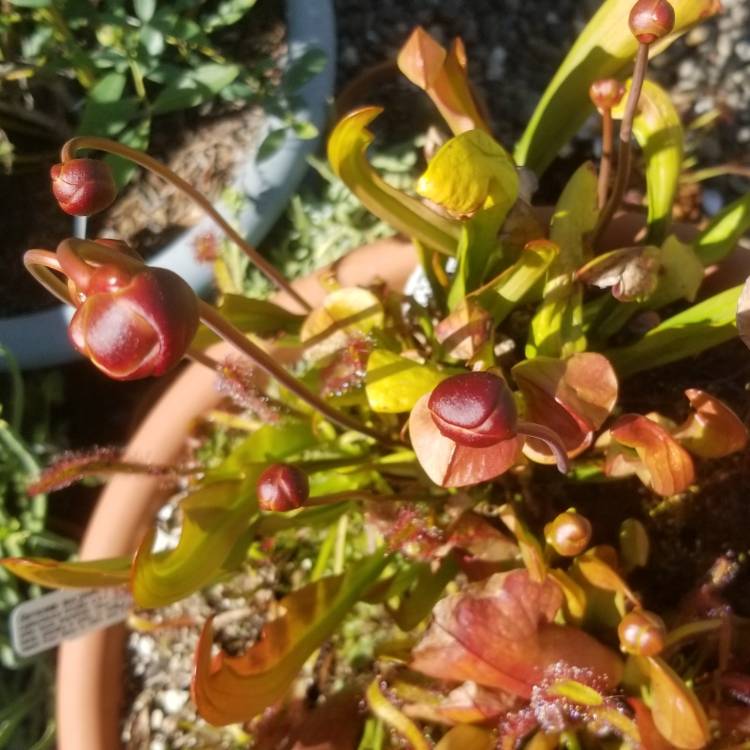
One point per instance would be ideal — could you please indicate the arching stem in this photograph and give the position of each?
(622, 174)
(340, 497)
(221, 327)
(549, 438)
(38, 263)
(605, 165)
(196, 355)
(147, 162)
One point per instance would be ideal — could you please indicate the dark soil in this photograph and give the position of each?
(31, 219)
(689, 532)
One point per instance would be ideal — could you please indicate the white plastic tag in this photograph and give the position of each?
(43, 623)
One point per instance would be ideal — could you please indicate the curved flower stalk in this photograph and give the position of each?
(605, 94)
(133, 321)
(658, 130)
(572, 396)
(94, 195)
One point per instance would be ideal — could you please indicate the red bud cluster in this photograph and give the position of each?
(475, 409)
(282, 487)
(83, 187)
(650, 20)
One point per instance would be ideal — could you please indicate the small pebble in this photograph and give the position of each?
(712, 201)
(157, 716)
(496, 64)
(172, 701)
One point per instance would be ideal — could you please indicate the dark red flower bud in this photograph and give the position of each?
(568, 534)
(475, 409)
(83, 187)
(651, 20)
(132, 325)
(282, 487)
(642, 632)
(606, 93)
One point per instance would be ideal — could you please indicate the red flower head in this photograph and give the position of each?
(83, 187)
(475, 409)
(132, 321)
(467, 431)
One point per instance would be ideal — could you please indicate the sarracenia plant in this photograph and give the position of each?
(512, 361)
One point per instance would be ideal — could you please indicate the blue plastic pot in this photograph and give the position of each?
(40, 339)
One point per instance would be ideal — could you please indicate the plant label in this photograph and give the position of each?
(43, 623)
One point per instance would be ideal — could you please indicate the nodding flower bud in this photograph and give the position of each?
(650, 20)
(282, 487)
(568, 533)
(131, 323)
(606, 93)
(642, 633)
(83, 187)
(475, 409)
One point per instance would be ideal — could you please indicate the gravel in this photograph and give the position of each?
(514, 48)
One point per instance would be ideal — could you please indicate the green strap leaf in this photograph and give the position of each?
(700, 327)
(557, 328)
(475, 252)
(604, 49)
(501, 295)
(723, 232)
(81, 574)
(417, 603)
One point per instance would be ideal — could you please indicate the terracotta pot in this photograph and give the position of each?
(89, 684)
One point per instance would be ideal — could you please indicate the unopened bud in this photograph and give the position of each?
(606, 93)
(282, 487)
(83, 187)
(474, 409)
(650, 20)
(132, 324)
(642, 633)
(568, 534)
